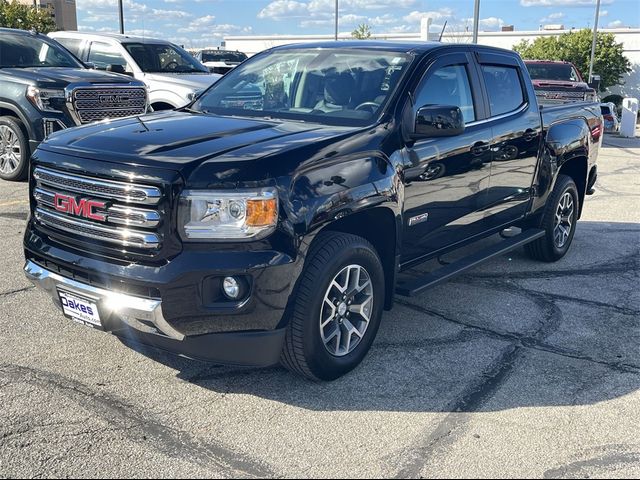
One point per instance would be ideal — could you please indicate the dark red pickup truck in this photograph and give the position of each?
(558, 82)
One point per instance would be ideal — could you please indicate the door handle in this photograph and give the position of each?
(479, 148)
(530, 134)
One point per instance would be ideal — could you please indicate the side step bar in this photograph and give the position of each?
(415, 286)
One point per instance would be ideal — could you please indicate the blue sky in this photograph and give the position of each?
(199, 23)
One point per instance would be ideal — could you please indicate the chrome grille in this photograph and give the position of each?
(131, 214)
(94, 104)
(558, 96)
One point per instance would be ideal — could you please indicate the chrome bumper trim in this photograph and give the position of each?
(132, 310)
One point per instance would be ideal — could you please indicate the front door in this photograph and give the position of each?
(446, 184)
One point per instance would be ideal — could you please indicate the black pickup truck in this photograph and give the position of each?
(44, 89)
(272, 219)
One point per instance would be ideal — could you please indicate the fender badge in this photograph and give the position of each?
(418, 219)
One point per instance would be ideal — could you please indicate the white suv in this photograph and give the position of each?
(172, 75)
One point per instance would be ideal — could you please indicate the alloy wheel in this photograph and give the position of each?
(10, 151)
(564, 220)
(346, 310)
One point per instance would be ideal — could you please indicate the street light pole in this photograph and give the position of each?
(476, 21)
(336, 32)
(121, 11)
(593, 43)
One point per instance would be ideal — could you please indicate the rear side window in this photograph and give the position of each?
(448, 86)
(605, 110)
(71, 44)
(503, 87)
(106, 56)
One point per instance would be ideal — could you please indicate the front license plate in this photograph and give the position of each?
(80, 309)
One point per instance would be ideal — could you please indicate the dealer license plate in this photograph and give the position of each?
(80, 309)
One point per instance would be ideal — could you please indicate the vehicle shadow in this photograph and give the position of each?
(512, 333)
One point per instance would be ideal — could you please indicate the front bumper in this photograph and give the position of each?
(140, 320)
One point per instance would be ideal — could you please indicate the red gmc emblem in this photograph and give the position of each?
(80, 208)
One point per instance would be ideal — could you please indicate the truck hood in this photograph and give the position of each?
(559, 84)
(191, 81)
(61, 77)
(200, 147)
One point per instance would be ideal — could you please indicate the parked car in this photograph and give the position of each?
(559, 82)
(250, 232)
(172, 75)
(220, 61)
(45, 89)
(611, 122)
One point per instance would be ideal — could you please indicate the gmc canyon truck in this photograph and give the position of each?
(248, 231)
(44, 89)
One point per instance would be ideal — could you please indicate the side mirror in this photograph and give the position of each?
(595, 82)
(90, 65)
(438, 121)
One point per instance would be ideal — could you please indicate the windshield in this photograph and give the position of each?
(231, 57)
(24, 51)
(337, 87)
(163, 58)
(553, 71)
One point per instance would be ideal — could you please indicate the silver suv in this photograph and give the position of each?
(172, 75)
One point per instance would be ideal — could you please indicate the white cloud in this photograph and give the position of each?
(616, 24)
(554, 17)
(562, 3)
(416, 16)
(604, 13)
(282, 9)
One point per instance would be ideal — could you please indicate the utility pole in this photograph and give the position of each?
(337, 7)
(476, 21)
(121, 10)
(593, 43)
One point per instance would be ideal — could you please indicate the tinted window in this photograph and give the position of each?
(23, 51)
(553, 71)
(104, 56)
(71, 44)
(605, 110)
(503, 87)
(231, 57)
(163, 58)
(448, 86)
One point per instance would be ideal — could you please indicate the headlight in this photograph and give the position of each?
(237, 215)
(46, 99)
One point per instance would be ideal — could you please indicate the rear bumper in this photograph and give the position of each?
(140, 320)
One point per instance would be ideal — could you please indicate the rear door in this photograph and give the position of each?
(446, 185)
(516, 136)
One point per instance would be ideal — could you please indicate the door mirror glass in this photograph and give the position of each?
(438, 121)
(595, 82)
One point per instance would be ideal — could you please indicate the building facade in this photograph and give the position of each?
(62, 11)
(629, 37)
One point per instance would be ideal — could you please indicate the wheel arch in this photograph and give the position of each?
(379, 226)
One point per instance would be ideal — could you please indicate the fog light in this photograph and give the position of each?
(231, 288)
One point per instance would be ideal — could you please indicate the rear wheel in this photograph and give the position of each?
(14, 150)
(558, 221)
(337, 308)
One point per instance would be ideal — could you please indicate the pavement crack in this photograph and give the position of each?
(167, 440)
(19, 290)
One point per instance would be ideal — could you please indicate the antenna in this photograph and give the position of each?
(442, 32)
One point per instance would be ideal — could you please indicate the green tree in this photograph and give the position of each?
(26, 17)
(362, 32)
(575, 47)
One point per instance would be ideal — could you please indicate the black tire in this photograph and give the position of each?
(20, 171)
(546, 249)
(304, 351)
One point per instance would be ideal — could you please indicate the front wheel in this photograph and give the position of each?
(559, 222)
(337, 308)
(14, 150)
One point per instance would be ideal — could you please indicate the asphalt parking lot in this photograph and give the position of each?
(517, 369)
